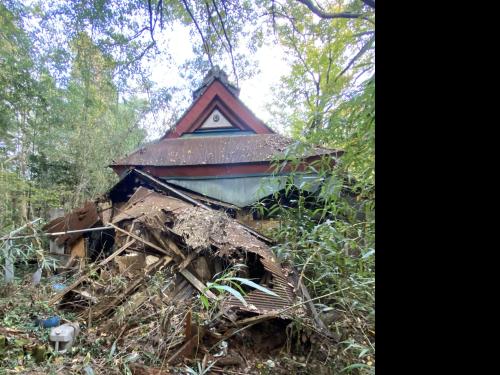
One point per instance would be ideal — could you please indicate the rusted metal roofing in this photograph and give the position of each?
(81, 218)
(222, 236)
(213, 150)
(264, 303)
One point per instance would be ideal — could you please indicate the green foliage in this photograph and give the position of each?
(328, 99)
(200, 369)
(57, 137)
(232, 285)
(69, 106)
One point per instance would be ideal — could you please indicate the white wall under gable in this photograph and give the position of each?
(216, 120)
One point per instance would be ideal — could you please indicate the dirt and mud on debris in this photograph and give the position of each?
(180, 286)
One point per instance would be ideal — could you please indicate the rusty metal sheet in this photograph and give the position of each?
(213, 150)
(81, 218)
(262, 303)
(202, 229)
(148, 202)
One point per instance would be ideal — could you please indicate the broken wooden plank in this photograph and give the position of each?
(197, 284)
(116, 253)
(169, 244)
(256, 319)
(131, 264)
(85, 294)
(141, 240)
(59, 296)
(194, 201)
(100, 311)
(78, 249)
(188, 260)
(187, 349)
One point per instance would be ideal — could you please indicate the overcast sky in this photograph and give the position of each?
(256, 92)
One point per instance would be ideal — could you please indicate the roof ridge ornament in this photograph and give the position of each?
(216, 73)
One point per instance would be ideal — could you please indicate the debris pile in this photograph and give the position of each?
(180, 281)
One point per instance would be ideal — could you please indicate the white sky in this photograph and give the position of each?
(256, 92)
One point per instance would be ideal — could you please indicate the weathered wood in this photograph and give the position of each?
(101, 311)
(117, 252)
(186, 350)
(255, 319)
(197, 284)
(202, 269)
(59, 296)
(188, 260)
(78, 249)
(168, 243)
(163, 251)
(86, 295)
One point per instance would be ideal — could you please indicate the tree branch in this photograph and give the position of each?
(273, 12)
(141, 55)
(320, 13)
(358, 55)
(228, 41)
(159, 9)
(151, 25)
(205, 44)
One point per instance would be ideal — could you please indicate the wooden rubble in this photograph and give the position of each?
(188, 244)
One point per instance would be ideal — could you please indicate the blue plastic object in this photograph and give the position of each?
(58, 287)
(53, 321)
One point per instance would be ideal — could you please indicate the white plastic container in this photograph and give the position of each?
(62, 337)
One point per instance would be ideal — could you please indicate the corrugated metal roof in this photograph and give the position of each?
(81, 218)
(213, 150)
(264, 303)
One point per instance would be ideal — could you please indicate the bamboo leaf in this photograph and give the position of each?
(253, 285)
(232, 291)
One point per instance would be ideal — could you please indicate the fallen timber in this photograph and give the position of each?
(188, 247)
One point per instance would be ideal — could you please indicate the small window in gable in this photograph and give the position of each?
(216, 120)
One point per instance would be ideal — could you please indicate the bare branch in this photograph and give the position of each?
(140, 56)
(205, 44)
(211, 23)
(365, 48)
(159, 9)
(313, 8)
(135, 36)
(273, 12)
(228, 41)
(364, 33)
(151, 26)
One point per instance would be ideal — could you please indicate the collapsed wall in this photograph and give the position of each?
(193, 250)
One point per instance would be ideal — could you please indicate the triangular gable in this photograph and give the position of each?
(216, 120)
(218, 99)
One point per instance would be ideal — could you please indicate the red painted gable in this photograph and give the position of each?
(218, 96)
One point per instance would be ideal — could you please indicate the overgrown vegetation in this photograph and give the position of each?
(72, 102)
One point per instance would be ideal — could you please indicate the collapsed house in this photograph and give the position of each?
(180, 210)
(219, 150)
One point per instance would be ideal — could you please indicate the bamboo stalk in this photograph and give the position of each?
(8, 238)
